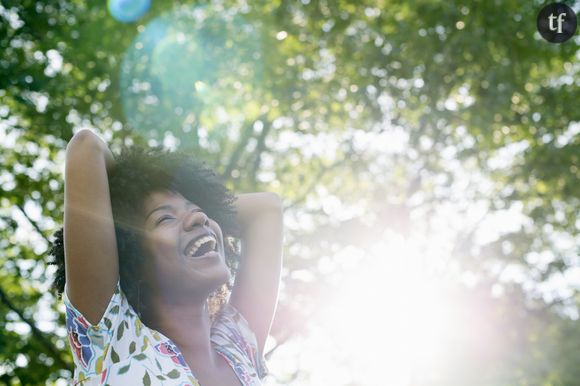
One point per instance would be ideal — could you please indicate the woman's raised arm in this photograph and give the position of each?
(255, 291)
(91, 259)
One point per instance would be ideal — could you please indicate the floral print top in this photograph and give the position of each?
(121, 350)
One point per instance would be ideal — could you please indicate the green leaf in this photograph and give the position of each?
(132, 347)
(146, 379)
(145, 344)
(120, 331)
(174, 374)
(140, 357)
(138, 327)
(99, 365)
(114, 356)
(124, 369)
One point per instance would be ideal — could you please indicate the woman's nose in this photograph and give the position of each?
(195, 218)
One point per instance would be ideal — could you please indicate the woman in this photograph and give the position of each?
(146, 260)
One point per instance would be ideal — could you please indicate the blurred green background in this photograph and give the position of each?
(427, 154)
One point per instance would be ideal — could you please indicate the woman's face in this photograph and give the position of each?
(184, 247)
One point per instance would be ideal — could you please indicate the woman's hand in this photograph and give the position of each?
(249, 206)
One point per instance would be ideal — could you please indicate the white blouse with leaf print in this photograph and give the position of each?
(121, 350)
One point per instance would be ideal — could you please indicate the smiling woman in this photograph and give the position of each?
(145, 261)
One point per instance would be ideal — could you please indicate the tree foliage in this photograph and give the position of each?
(388, 110)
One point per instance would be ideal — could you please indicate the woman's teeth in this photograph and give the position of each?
(199, 243)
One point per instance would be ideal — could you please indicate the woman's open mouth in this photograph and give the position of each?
(201, 247)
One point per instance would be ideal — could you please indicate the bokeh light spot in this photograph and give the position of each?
(186, 63)
(128, 11)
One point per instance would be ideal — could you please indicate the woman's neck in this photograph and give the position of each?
(188, 325)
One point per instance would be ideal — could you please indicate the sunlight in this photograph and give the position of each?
(389, 321)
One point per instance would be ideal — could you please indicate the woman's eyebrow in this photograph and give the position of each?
(170, 207)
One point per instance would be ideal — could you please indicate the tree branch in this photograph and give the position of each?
(33, 223)
(39, 335)
(237, 153)
(260, 148)
(315, 181)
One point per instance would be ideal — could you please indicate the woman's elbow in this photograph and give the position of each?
(84, 138)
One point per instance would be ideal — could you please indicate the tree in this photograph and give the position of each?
(388, 110)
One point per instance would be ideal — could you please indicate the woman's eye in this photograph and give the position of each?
(162, 219)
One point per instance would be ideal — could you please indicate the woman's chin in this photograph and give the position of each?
(210, 274)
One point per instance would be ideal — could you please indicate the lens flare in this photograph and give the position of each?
(128, 11)
(188, 64)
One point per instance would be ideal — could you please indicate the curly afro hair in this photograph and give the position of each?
(138, 172)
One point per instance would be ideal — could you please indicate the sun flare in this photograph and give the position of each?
(386, 325)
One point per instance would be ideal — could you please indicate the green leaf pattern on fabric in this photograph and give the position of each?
(114, 356)
(146, 379)
(124, 369)
(124, 351)
(132, 347)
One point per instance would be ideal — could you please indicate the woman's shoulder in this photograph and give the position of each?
(109, 339)
(117, 311)
(122, 349)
